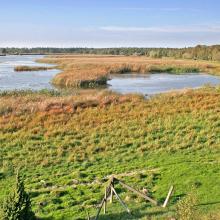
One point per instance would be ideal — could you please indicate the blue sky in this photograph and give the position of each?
(109, 23)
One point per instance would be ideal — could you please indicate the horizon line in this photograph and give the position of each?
(92, 47)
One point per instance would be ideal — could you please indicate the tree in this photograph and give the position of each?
(17, 206)
(4, 51)
(155, 54)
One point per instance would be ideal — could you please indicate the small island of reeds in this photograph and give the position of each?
(32, 68)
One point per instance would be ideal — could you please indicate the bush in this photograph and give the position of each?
(186, 207)
(17, 206)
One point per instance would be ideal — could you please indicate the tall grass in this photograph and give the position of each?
(68, 146)
(90, 71)
(32, 68)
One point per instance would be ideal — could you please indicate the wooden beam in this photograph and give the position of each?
(168, 196)
(137, 192)
(120, 200)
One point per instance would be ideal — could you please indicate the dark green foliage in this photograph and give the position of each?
(17, 206)
(201, 52)
(3, 51)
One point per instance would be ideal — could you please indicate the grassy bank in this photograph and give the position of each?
(67, 146)
(90, 71)
(32, 68)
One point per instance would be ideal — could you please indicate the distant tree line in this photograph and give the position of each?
(201, 52)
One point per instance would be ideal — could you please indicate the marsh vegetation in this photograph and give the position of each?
(32, 68)
(89, 71)
(67, 146)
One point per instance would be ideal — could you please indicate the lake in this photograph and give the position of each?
(123, 83)
(10, 80)
(149, 84)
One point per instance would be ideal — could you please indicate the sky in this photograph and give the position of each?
(109, 23)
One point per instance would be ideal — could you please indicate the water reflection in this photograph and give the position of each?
(123, 83)
(158, 83)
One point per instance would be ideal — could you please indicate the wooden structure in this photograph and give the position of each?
(110, 192)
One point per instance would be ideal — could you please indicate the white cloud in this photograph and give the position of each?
(115, 36)
(167, 29)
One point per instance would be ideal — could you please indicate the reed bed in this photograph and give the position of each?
(50, 101)
(32, 68)
(93, 70)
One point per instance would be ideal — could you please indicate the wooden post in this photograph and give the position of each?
(111, 196)
(168, 197)
(87, 213)
(105, 203)
(112, 186)
(102, 203)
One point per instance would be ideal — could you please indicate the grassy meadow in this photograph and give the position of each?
(94, 70)
(69, 145)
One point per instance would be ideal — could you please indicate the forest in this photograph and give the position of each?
(200, 52)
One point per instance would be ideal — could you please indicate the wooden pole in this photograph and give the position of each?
(102, 203)
(120, 200)
(105, 203)
(168, 197)
(111, 196)
(87, 213)
(112, 186)
(137, 192)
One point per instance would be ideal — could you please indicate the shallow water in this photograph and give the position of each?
(10, 80)
(149, 84)
(123, 83)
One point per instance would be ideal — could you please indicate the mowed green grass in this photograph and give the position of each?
(66, 158)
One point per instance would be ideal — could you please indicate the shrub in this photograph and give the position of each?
(186, 207)
(17, 206)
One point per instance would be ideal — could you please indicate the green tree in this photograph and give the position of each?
(155, 54)
(17, 206)
(4, 51)
(187, 56)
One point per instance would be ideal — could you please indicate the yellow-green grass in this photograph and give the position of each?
(32, 68)
(67, 151)
(90, 71)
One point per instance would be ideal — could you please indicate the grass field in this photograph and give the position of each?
(68, 145)
(94, 70)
